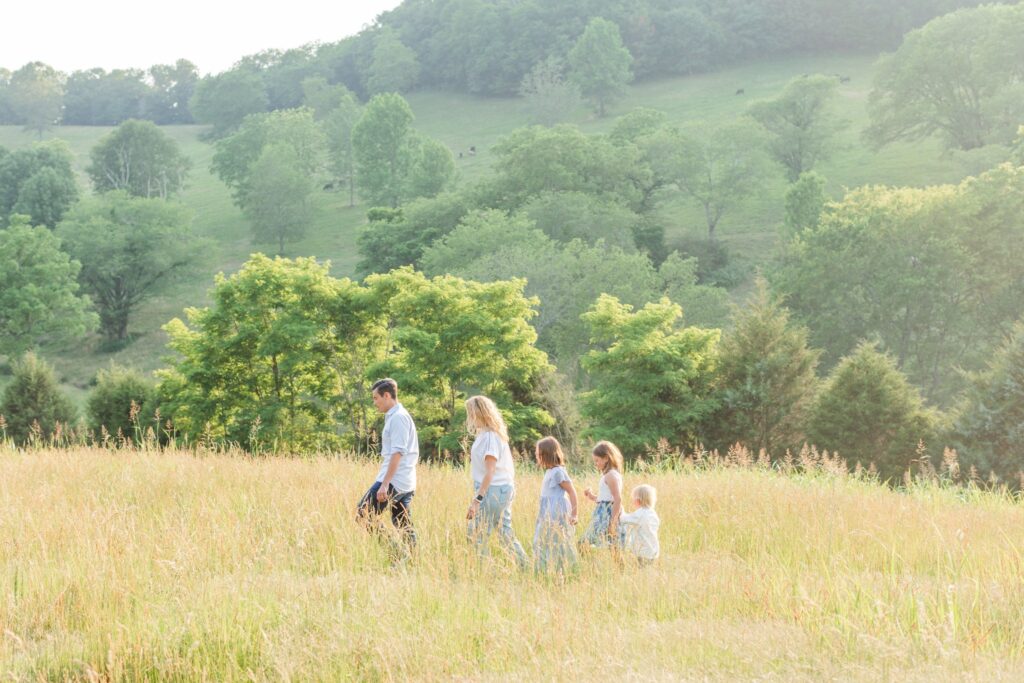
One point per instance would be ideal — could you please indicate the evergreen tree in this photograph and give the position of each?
(766, 378)
(989, 431)
(32, 401)
(868, 412)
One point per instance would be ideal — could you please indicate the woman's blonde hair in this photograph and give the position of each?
(646, 495)
(550, 452)
(482, 413)
(610, 452)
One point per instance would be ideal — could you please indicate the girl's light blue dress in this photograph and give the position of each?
(554, 546)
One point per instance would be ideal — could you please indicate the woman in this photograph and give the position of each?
(493, 478)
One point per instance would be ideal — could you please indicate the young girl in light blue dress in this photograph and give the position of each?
(604, 525)
(554, 545)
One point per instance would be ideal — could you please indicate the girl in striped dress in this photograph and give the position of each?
(604, 525)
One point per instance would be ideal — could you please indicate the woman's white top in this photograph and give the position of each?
(489, 443)
(604, 492)
(641, 529)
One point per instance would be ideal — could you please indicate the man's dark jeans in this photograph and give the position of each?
(370, 510)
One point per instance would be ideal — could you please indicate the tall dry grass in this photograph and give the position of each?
(127, 565)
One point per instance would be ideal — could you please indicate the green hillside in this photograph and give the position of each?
(462, 121)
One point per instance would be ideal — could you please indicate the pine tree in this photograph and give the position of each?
(989, 431)
(766, 379)
(869, 413)
(33, 398)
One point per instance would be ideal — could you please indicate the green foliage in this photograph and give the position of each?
(601, 64)
(565, 216)
(32, 404)
(765, 380)
(383, 144)
(717, 167)
(46, 196)
(805, 201)
(35, 96)
(548, 96)
(224, 100)
(567, 278)
(801, 123)
(433, 169)
(39, 298)
(278, 200)
(933, 273)
(715, 264)
(532, 161)
(172, 87)
(337, 109)
(650, 379)
(479, 235)
(398, 237)
(454, 338)
(868, 412)
(139, 158)
(37, 181)
(98, 97)
(394, 67)
(235, 155)
(122, 402)
(989, 429)
(703, 305)
(129, 248)
(276, 361)
(393, 163)
(958, 76)
(488, 47)
(286, 352)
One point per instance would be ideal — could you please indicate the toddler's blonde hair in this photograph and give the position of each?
(646, 495)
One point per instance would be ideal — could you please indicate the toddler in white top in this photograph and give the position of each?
(641, 525)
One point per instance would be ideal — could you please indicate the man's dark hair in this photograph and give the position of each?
(386, 386)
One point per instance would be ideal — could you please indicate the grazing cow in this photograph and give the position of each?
(472, 150)
(329, 186)
(741, 91)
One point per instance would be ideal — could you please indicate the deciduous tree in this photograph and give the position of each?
(129, 248)
(140, 159)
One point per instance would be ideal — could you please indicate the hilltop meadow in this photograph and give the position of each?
(138, 564)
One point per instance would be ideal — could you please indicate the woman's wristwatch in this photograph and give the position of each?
(479, 498)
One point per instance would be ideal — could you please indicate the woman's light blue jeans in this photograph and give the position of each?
(496, 513)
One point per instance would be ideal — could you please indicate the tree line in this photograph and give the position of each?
(504, 48)
(282, 358)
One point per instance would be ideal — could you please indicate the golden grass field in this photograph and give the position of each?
(128, 565)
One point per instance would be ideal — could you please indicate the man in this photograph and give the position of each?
(396, 482)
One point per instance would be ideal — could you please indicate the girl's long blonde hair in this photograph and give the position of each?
(482, 413)
(611, 452)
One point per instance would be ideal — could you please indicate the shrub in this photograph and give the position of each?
(122, 403)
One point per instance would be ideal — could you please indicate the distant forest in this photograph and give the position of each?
(483, 47)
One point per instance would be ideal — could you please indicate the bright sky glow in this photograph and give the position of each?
(71, 35)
